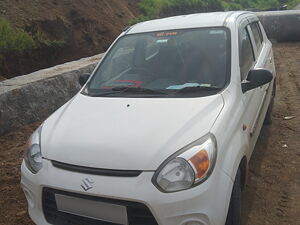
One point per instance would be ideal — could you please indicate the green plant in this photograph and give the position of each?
(43, 42)
(12, 40)
(292, 3)
(17, 41)
(152, 9)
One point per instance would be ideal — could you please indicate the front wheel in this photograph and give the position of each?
(234, 213)
(268, 118)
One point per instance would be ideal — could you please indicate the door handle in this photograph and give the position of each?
(270, 59)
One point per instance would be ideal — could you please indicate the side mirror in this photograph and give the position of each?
(257, 78)
(83, 78)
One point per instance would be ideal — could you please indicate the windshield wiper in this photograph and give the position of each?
(198, 88)
(106, 93)
(138, 90)
(118, 90)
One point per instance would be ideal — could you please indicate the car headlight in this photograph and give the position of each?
(188, 167)
(32, 152)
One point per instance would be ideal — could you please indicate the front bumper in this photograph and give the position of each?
(206, 204)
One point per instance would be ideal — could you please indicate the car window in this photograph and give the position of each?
(257, 36)
(166, 60)
(260, 29)
(246, 53)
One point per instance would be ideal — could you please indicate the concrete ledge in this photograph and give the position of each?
(33, 97)
(281, 26)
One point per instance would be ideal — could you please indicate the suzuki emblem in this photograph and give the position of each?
(87, 183)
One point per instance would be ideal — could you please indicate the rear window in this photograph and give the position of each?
(257, 35)
(246, 54)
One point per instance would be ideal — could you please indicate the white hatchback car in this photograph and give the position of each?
(161, 132)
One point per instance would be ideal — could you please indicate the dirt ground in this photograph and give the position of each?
(272, 195)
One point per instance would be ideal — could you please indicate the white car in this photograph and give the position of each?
(161, 132)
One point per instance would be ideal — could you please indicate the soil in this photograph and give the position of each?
(88, 28)
(272, 195)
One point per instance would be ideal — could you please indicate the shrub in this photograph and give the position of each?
(16, 41)
(12, 40)
(152, 9)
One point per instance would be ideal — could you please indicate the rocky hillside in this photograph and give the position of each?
(69, 29)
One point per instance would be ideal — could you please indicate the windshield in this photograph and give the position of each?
(169, 63)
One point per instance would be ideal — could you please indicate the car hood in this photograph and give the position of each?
(126, 133)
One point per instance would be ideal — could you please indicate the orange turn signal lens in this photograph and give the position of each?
(200, 161)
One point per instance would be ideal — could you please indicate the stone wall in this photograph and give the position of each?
(33, 97)
(281, 26)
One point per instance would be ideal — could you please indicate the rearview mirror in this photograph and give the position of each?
(257, 78)
(83, 78)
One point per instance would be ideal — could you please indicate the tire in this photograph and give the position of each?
(268, 118)
(234, 213)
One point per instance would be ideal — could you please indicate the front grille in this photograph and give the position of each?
(97, 171)
(138, 213)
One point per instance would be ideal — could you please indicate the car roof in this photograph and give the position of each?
(213, 19)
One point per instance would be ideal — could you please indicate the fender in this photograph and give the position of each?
(233, 145)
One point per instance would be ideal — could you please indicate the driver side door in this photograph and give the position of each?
(252, 99)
